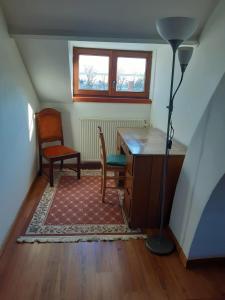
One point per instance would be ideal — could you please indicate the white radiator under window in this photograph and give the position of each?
(89, 135)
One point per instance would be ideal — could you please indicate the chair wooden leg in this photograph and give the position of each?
(103, 186)
(78, 166)
(51, 173)
(61, 164)
(40, 164)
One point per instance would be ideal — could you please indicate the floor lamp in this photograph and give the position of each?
(175, 30)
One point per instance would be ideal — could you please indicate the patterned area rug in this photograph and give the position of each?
(72, 211)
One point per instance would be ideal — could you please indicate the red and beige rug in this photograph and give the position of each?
(72, 211)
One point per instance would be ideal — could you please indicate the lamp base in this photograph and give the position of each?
(160, 245)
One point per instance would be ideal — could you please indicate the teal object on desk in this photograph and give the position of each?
(116, 160)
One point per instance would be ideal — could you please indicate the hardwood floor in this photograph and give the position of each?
(99, 270)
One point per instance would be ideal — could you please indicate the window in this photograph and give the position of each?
(111, 75)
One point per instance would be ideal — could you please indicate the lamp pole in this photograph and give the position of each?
(174, 44)
(174, 30)
(160, 244)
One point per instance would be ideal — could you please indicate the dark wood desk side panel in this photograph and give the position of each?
(175, 166)
(153, 210)
(141, 189)
(145, 204)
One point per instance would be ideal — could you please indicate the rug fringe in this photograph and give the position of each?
(75, 239)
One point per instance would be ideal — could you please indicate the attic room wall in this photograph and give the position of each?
(200, 80)
(204, 164)
(73, 112)
(47, 60)
(18, 102)
(198, 215)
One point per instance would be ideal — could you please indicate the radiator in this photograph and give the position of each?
(89, 138)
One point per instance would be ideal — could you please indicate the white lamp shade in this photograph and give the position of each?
(176, 28)
(184, 55)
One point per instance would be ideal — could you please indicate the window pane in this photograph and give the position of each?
(130, 74)
(93, 72)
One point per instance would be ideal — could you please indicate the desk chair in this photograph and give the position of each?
(115, 163)
(49, 129)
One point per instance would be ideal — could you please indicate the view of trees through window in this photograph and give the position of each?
(111, 73)
(93, 72)
(130, 74)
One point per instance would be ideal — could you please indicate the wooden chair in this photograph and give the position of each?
(115, 163)
(49, 129)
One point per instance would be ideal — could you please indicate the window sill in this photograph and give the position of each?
(112, 100)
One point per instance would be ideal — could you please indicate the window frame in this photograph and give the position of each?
(111, 95)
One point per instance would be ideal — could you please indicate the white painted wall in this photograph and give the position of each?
(73, 112)
(160, 99)
(49, 63)
(18, 102)
(201, 78)
(204, 164)
(198, 205)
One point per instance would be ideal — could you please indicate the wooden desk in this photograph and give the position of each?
(144, 149)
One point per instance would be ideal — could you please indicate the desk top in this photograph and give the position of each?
(149, 141)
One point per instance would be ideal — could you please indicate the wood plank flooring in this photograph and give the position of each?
(99, 270)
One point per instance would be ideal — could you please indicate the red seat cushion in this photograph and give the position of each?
(55, 151)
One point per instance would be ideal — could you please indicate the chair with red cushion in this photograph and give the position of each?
(49, 129)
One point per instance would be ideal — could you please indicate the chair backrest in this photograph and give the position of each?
(49, 126)
(102, 147)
